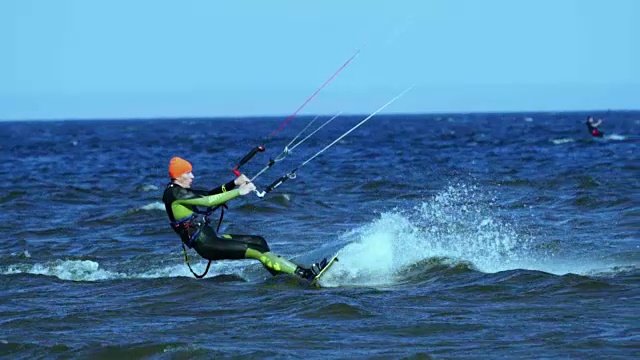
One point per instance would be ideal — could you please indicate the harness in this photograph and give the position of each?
(198, 219)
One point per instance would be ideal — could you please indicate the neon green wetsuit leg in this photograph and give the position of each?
(272, 261)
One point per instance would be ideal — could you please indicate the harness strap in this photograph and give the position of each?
(186, 259)
(185, 221)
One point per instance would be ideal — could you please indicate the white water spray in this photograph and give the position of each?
(457, 226)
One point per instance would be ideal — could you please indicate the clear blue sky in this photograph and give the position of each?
(165, 58)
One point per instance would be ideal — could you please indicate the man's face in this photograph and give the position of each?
(185, 180)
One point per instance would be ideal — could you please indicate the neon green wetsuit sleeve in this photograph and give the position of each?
(180, 210)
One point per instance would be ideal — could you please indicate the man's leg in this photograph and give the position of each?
(272, 262)
(232, 247)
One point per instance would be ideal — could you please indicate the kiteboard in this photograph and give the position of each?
(315, 281)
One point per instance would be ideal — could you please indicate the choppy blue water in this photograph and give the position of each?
(460, 236)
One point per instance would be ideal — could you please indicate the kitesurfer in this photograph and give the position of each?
(592, 125)
(184, 208)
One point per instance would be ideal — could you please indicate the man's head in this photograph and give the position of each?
(180, 172)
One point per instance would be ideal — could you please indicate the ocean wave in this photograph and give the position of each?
(75, 270)
(11, 195)
(147, 188)
(153, 206)
(562, 141)
(91, 271)
(615, 137)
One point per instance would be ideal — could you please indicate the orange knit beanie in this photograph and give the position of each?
(178, 166)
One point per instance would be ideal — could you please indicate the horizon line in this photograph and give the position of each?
(227, 117)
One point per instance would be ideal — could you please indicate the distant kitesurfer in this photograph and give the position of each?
(593, 127)
(191, 223)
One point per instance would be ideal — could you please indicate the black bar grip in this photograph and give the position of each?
(276, 183)
(251, 154)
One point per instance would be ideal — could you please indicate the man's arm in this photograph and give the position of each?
(223, 188)
(210, 200)
(240, 180)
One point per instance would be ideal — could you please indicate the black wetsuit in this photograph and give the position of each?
(186, 211)
(195, 230)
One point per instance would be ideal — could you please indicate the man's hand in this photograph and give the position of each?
(246, 188)
(242, 179)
